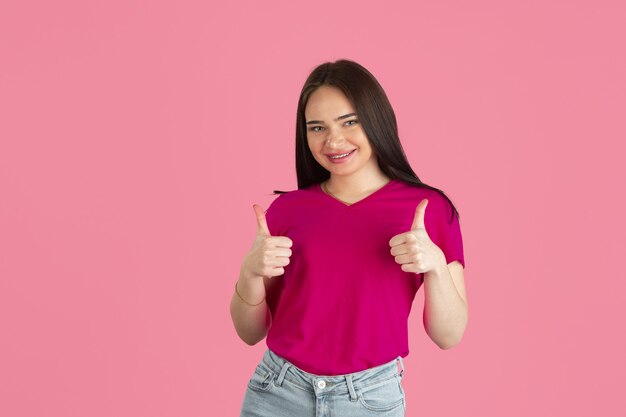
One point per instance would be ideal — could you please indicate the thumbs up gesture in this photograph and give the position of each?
(413, 250)
(269, 254)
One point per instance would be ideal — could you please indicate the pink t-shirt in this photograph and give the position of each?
(343, 303)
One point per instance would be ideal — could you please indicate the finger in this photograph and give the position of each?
(406, 237)
(261, 221)
(282, 261)
(275, 272)
(420, 212)
(280, 252)
(282, 242)
(401, 249)
(407, 258)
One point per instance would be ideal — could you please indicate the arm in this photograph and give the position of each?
(259, 274)
(445, 305)
(251, 322)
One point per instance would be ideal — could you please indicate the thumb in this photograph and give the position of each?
(260, 221)
(420, 211)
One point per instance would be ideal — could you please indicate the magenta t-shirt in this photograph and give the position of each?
(343, 303)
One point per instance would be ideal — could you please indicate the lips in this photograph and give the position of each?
(339, 153)
(341, 159)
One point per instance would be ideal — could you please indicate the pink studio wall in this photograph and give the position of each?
(135, 137)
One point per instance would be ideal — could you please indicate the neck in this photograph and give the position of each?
(353, 185)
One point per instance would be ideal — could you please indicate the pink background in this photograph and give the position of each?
(135, 137)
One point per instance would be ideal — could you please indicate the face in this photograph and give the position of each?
(334, 128)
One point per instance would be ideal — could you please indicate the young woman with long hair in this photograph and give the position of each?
(336, 264)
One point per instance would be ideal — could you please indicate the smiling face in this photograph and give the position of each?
(333, 127)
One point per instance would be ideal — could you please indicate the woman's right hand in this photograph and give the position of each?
(269, 254)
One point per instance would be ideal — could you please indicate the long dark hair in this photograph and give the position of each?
(376, 116)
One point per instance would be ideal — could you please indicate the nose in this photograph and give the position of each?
(333, 136)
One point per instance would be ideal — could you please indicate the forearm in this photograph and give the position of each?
(251, 322)
(445, 312)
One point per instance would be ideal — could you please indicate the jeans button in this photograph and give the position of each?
(321, 384)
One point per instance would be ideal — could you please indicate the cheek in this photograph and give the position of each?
(315, 145)
(316, 150)
(311, 146)
(363, 141)
(366, 149)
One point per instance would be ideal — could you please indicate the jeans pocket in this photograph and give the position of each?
(262, 379)
(383, 396)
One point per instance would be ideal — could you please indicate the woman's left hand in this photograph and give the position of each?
(413, 250)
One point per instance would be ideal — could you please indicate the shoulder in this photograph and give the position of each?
(287, 199)
(414, 194)
(412, 191)
(288, 209)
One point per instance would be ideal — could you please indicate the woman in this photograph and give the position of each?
(336, 264)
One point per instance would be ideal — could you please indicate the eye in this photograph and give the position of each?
(350, 121)
(313, 129)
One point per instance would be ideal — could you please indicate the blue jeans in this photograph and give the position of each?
(278, 388)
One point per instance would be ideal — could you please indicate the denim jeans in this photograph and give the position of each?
(278, 388)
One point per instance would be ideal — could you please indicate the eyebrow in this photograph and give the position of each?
(338, 118)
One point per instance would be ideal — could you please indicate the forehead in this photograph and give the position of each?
(327, 102)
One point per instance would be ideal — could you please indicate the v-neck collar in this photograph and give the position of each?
(319, 188)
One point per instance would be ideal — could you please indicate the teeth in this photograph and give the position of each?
(340, 156)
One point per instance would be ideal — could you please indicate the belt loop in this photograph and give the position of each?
(401, 365)
(281, 376)
(353, 396)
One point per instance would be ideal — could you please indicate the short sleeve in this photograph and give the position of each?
(272, 216)
(444, 229)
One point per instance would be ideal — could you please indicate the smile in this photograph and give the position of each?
(341, 158)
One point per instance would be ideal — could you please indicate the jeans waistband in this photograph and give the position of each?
(335, 384)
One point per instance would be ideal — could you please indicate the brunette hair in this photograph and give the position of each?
(376, 117)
